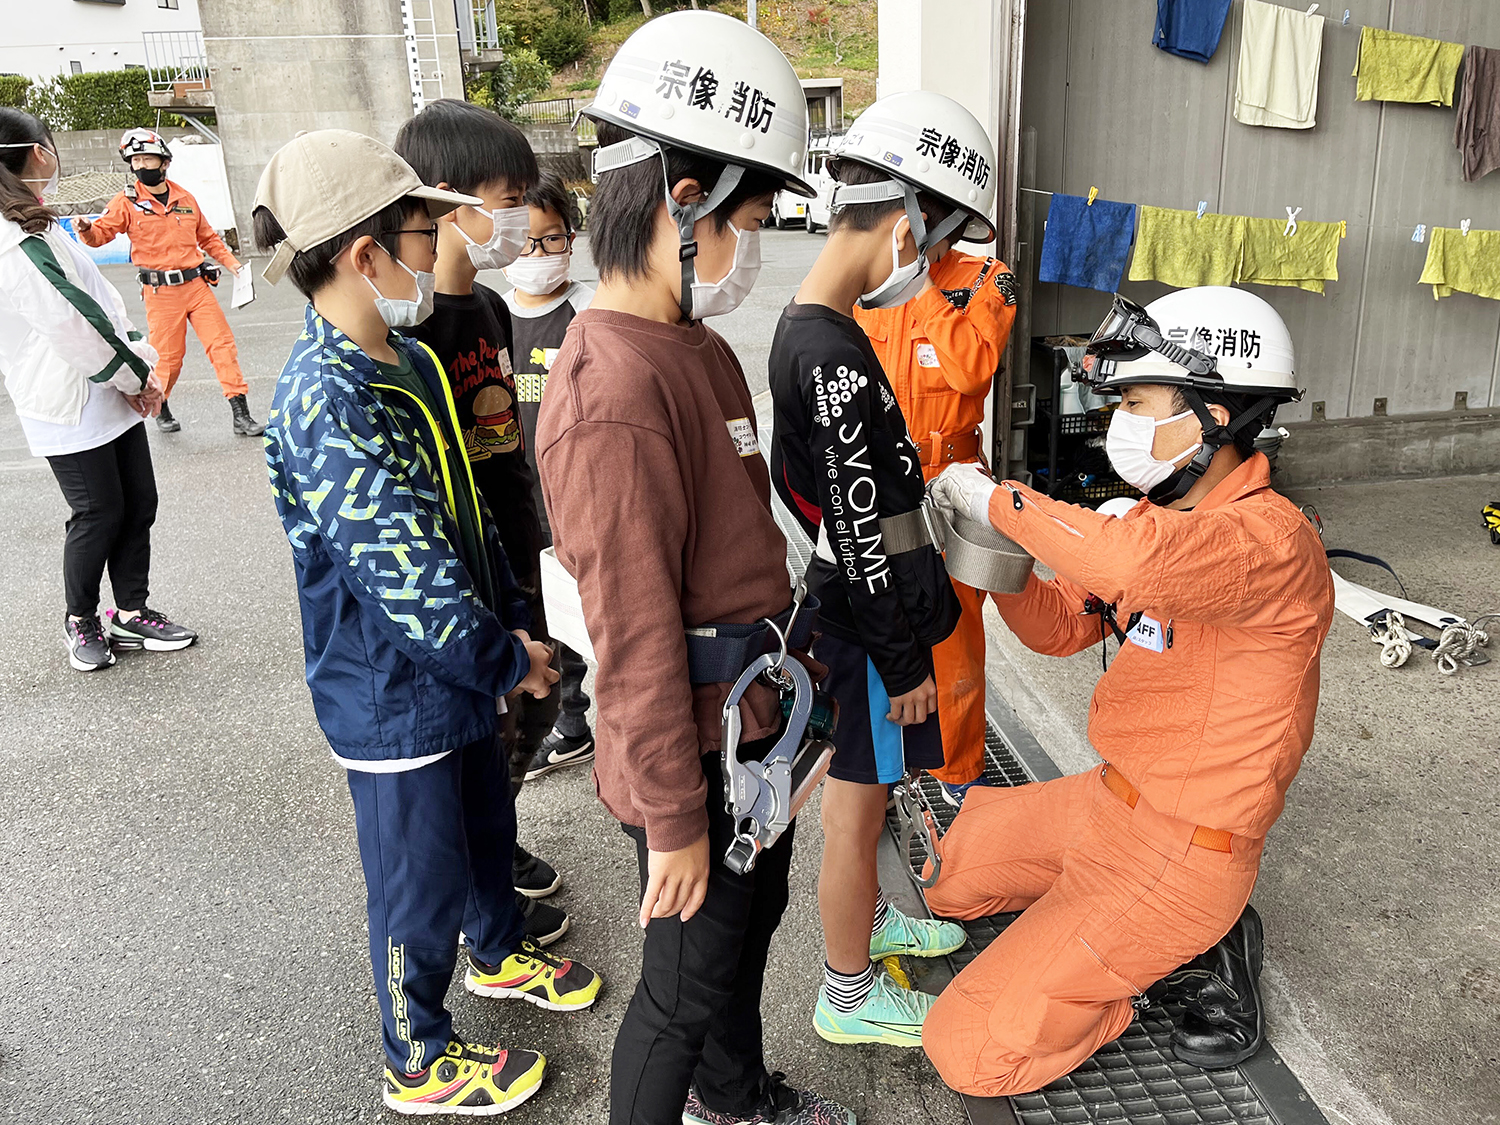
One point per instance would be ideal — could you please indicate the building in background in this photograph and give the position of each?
(44, 38)
(1075, 96)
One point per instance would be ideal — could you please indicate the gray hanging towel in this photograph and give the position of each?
(1477, 131)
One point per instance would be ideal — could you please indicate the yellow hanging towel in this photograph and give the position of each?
(1182, 250)
(1305, 259)
(1392, 67)
(1462, 263)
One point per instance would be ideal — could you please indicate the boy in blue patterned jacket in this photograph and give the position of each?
(413, 627)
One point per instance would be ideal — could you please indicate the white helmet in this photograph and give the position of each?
(1212, 337)
(709, 84)
(933, 144)
(143, 142)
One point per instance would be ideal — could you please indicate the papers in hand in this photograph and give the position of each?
(244, 289)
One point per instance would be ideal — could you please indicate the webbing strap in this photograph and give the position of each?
(718, 653)
(1341, 553)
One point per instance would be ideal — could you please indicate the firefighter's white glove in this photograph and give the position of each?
(964, 489)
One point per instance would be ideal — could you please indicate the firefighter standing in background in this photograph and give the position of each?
(168, 236)
(940, 352)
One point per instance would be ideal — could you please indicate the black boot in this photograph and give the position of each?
(165, 422)
(1222, 1022)
(244, 425)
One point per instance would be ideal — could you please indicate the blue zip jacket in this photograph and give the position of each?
(403, 657)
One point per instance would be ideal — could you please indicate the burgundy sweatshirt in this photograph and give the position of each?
(660, 506)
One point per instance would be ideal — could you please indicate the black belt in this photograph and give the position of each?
(157, 278)
(717, 654)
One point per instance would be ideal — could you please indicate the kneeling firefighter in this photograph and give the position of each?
(1219, 594)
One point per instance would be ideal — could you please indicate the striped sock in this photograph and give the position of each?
(847, 991)
(882, 908)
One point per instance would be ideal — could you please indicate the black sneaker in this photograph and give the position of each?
(544, 923)
(557, 751)
(533, 877)
(165, 422)
(150, 630)
(88, 647)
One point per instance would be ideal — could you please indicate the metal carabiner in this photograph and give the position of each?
(915, 818)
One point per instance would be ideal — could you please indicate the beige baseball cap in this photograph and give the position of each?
(322, 183)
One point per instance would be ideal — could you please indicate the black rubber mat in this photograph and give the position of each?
(1135, 1080)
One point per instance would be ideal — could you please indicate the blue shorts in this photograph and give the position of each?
(869, 749)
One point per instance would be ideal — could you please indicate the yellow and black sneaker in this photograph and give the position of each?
(537, 977)
(468, 1081)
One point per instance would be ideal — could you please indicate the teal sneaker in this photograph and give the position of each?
(915, 937)
(890, 1014)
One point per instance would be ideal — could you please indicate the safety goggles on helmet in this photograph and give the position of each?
(1130, 332)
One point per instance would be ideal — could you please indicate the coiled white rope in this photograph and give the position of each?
(1462, 642)
(1395, 645)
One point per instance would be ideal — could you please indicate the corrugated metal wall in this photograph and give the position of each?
(1102, 107)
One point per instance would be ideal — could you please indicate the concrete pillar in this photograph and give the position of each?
(277, 69)
(950, 47)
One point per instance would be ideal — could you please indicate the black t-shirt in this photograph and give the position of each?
(842, 460)
(471, 335)
(536, 334)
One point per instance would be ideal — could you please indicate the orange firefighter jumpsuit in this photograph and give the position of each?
(940, 351)
(166, 233)
(1202, 720)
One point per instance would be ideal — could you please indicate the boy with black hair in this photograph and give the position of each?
(464, 147)
(542, 305)
(847, 467)
(411, 621)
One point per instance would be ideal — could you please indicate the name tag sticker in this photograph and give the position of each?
(742, 432)
(1148, 634)
(927, 356)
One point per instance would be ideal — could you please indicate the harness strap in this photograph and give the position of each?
(719, 653)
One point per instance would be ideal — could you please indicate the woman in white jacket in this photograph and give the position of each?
(80, 377)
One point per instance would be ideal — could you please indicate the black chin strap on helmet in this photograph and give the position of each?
(848, 195)
(1215, 437)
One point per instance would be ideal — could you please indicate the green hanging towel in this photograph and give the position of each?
(1305, 259)
(1463, 263)
(1392, 67)
(1182, 250)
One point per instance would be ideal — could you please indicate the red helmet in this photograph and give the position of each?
(142, 142)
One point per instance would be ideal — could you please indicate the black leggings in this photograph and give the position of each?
(112, 491)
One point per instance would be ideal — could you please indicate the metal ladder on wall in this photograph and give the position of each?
(425, 69)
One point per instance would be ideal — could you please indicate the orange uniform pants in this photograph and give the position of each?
(1114, 899)
(169, 311)
(958, 671)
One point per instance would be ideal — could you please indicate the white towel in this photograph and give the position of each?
(1281, 50)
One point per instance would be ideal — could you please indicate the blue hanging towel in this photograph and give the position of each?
(1087, 246)
(1190, 28)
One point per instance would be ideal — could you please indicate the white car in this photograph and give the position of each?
(818, 175)
(786, 209)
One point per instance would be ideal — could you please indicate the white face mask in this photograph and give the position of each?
(539, 274)
(49, 185)
(904, 283)
(724, 296)
(404, 312)
(507, 239)
(1129, 442)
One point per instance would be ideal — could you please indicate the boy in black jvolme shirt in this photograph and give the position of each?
(842, 460)
(452, 142)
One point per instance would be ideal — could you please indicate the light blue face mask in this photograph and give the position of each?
(404, 312)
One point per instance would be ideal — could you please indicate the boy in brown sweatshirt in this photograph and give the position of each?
(659, 502)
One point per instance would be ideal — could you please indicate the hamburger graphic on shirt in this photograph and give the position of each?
(496, 428)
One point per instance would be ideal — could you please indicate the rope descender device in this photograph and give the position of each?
(765, 796)
(915, 821)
